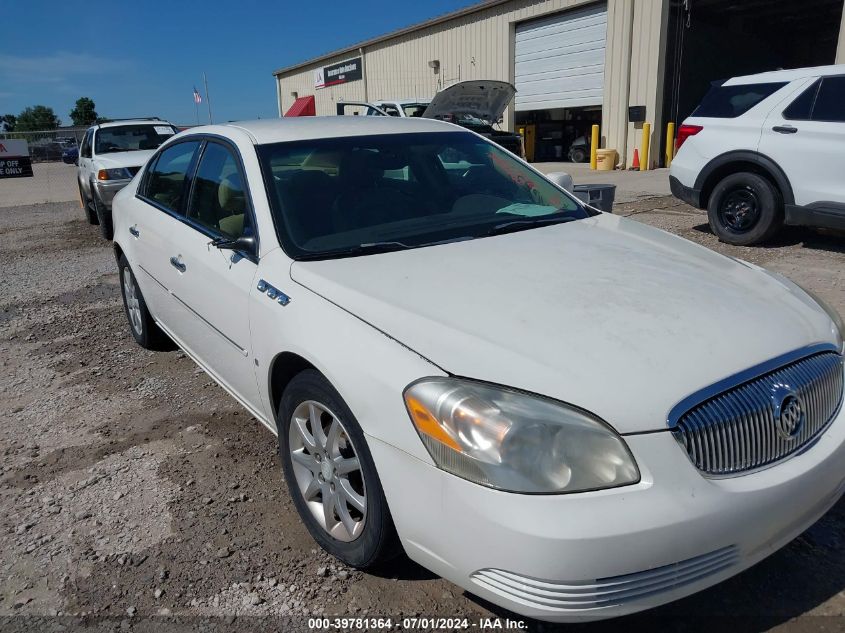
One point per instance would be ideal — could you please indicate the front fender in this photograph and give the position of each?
(369, 369)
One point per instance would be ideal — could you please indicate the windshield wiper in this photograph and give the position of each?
(517, 225)
(368, 248)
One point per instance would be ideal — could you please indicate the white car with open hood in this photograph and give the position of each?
(565, 412)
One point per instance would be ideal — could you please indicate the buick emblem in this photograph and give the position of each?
(789, 412)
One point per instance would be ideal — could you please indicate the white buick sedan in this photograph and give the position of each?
(565, 412)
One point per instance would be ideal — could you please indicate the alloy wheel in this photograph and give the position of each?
(133, 305)
(740, 210)
(327, 470)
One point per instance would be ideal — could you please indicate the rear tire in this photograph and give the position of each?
(103, 216)
(745, 209)
(141, 323)
(318, 472)
(90, 214)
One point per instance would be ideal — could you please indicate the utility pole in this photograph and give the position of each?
(207, 99)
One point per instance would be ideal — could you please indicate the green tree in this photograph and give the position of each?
(84, 114)
(7, 122)
(37, 117)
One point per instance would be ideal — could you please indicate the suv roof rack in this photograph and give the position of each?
(132, 118)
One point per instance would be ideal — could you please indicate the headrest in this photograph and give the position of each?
(230, 194)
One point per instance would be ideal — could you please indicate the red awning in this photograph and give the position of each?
(303, 106)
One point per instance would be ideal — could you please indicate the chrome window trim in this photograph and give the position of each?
(744, 376)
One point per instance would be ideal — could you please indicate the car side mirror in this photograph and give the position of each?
(562, 180)
(245, 243)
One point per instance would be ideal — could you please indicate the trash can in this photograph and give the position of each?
(598, 196)
(605, 159)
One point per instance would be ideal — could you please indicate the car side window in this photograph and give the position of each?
(165, 179)
(85, 149)
(801, 108)
(218, 201)
(830, 102)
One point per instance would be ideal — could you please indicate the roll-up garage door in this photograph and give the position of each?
(559, 60)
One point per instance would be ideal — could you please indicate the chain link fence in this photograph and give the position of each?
(53, 155)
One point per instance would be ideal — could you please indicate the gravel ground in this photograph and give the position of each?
(132, 486)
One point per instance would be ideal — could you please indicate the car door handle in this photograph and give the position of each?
(135, 232)
(784, 129)
(174, 261)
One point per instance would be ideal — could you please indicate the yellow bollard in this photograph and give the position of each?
(670, 143)
(646, 141)
(594, 146)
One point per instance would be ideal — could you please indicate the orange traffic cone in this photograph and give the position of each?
(636, 163)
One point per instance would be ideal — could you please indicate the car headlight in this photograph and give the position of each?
(513, 441)
(838, 323)
(120, 173)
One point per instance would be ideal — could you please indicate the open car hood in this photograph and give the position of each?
(486, 100)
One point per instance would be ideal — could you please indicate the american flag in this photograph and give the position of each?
(197, 96)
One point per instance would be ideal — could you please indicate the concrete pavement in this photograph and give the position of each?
(630, 185)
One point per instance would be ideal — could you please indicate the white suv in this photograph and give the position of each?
(110, 155)
(766, 150)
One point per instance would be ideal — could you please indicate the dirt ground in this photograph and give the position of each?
(132, 486)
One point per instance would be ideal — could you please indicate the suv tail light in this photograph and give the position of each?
(684, 132)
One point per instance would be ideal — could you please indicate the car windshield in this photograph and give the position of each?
(357, 195)
(414, 109)
(130, 138)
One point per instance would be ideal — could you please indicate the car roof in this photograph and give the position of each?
(787, 75)
(404, 101)
(306, 128)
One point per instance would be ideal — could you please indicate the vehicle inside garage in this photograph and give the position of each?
(708, 40)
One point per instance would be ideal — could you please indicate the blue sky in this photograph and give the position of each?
(144, 58)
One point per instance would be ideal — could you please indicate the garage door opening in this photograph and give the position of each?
(717, 39)
(559, 77)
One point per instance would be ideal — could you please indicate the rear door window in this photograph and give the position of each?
(729, 102)
(801, 109)
(165, 180)
(830, 102)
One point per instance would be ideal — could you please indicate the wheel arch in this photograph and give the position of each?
(742, 160)
(283, 368)
(118, 251)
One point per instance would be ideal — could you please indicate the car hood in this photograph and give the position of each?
(605, 313)
(486, 100)
(124, 159)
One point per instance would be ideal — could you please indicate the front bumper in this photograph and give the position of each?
(608, 553)
(107, 189)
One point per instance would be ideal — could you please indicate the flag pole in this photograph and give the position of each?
(197, 110)
(207, 100)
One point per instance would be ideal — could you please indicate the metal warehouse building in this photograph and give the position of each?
(578, 62)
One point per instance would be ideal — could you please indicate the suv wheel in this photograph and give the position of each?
(144, 329)
(90, 214)
(103, 216)
(330, 474)
(745, 209)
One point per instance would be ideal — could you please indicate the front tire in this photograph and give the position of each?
(578, 155)
(104, 218)
(331, 475)
(745, 209)
(141, 323)
(90, 214)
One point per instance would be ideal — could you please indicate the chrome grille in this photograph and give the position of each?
(737, 431)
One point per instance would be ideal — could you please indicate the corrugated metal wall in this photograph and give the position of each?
(480, 46)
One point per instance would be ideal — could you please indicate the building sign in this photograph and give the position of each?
(14, 159)
(350, 70)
